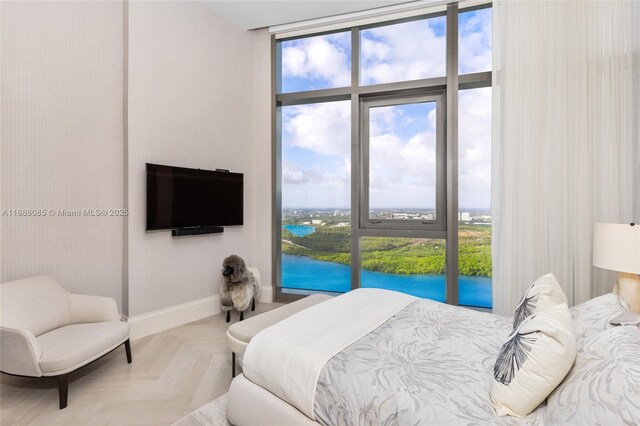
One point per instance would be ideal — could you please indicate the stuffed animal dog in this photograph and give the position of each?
(239, 287)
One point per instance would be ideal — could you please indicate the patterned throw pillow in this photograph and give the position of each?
(533, 361)
(542, 294)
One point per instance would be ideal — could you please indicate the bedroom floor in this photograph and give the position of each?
(173, 373)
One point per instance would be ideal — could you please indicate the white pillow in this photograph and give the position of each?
(603, 387)
(594, 315)
(542, 294)
(533, 361)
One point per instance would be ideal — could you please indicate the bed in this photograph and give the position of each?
(416, 361)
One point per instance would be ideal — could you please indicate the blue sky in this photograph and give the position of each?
(316, 139)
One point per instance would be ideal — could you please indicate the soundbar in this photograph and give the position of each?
(199, 230)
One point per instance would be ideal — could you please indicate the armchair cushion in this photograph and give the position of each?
(83, 309)
(37, 304)
(68, 348)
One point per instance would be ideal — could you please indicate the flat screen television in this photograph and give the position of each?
(178, 197)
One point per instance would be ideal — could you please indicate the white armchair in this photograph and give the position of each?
(45, 331)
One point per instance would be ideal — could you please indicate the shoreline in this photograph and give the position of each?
(373, 270)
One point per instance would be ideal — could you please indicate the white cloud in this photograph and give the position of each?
(402, 167)
(413, 50)
(318, 173)
(315, 186)
(474, 148)
(382, 120)
(323, 58)
(374, 50)
(292, 174)
(295, 174)
(407, 51)
(474, 45)
(322, 128)
(402, 173)
(402, 170)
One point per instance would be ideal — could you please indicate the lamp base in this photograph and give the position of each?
(628, 287)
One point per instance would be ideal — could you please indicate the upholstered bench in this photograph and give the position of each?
(240, 334)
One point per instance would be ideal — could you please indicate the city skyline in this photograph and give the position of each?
(408, 209)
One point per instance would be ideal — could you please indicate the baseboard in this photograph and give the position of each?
(266, 296)
(164, 319)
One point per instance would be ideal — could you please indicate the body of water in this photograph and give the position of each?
(302, 272)
(300, 230)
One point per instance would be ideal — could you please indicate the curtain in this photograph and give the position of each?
(566, 140)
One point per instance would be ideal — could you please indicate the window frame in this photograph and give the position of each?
(391, 100)
(450, 84)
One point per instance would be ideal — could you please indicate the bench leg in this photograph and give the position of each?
(127, 348)
(233, 364)
(228, 316)
(253, 304)
(63, 389)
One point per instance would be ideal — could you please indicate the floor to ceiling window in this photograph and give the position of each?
(316, 196)
(383, 148)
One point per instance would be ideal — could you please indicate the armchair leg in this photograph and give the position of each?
(241, 315)
(127, 348)
(228, 316)
(63, 388)
(253, 304)
(233, 364)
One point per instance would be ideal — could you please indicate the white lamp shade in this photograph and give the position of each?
(617, 247)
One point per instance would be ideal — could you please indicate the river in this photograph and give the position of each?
(300, 230)
(303, 272)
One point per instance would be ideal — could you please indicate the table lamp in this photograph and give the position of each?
(617, 247)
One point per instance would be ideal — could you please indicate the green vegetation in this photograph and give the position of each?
(396, 255)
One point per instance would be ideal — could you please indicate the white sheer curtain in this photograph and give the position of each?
(566, 144)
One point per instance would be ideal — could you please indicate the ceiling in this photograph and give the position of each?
(252, 14)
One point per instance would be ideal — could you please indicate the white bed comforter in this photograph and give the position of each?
(430, 364)
(287, 358)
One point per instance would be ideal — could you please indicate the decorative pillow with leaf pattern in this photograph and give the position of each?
(542, 294)
(533, 361)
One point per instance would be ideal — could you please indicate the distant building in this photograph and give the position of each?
(317, 222)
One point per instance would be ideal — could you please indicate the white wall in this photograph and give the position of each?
(62, 125)
(191, 104)
(198, 96)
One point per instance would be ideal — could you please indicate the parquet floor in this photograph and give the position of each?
(173, 373)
